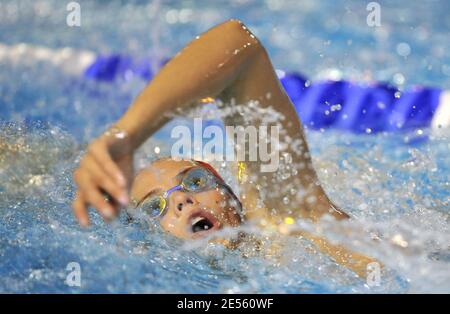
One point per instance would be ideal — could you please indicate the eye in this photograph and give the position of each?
(154, 206)
(197, 179)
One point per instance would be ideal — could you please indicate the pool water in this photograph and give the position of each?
(396, 186)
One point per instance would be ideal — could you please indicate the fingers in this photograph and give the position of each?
(103, 158)
(98, 175)
(95, 197)
(104, 181)
(80, 210)
(90, 193)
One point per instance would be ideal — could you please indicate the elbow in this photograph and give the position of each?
(235, 23)
(237, 30)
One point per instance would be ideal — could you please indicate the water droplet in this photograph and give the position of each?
(399, 240)
(399, 79)
(403, 49)
(289, 221)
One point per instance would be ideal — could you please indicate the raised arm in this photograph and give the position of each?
(228, 62)
(225, 62)
(204, 68)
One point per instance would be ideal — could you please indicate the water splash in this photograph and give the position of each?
(370, 177)
(395, 186)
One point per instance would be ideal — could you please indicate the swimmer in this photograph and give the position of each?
(188, 197)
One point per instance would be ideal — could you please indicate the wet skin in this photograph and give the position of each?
(188, 215)
(230, 64)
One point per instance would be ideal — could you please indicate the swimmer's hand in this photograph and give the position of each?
(103, 176)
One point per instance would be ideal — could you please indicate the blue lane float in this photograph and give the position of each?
(343, 105)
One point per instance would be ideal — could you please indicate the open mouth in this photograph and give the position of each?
(203, 222)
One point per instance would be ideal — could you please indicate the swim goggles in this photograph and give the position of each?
(199, 178)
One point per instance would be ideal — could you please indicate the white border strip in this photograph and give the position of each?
(441, 118)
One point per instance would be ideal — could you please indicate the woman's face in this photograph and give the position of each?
(188, 215)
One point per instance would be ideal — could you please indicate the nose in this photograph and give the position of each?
(183, 202)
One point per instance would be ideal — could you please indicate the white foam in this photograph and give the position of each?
(71, 61)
